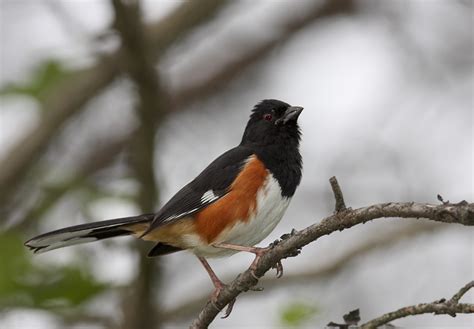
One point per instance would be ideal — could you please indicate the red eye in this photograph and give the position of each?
(267, 117)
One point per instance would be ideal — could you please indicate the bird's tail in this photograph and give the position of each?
(89, 232)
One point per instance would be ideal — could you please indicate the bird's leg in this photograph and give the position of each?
(219, 285)
(259, 252)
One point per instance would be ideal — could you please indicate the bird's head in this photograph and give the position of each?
(272, 122)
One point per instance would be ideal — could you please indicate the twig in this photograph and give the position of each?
(440, 198)
(336, 189)
(455, 299)
(450, 307)
(351, 319)
(461, 213)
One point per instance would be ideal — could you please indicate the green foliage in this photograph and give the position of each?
(297, 313)
(46, 76)
(23, 284)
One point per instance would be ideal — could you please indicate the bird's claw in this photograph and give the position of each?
(279, 268)
(259, 252)
(229, 308)
(215, 295)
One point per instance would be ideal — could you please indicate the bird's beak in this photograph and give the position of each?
(291, 114)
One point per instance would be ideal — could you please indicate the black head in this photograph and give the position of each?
(272, 122)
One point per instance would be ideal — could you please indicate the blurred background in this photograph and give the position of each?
(109, 107)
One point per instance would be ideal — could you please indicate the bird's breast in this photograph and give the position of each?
(267, 211)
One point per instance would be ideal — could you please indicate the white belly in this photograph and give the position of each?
(270, 208)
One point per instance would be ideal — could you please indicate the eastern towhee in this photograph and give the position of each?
(229, 207)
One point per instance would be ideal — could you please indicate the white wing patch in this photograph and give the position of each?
(206, 198)
(180, 215)
(209, 196)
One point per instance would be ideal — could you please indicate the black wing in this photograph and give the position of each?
(211, 185)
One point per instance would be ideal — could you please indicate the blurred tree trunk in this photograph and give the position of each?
(139, 306)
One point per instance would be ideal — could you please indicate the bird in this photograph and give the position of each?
(231, 206)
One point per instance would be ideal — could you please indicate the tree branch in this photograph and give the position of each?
(70, 98)
(291, 244)
(64, 103)
(380, 241)
(443, 306)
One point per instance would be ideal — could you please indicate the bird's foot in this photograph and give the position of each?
(259, 252)
(218, 287)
